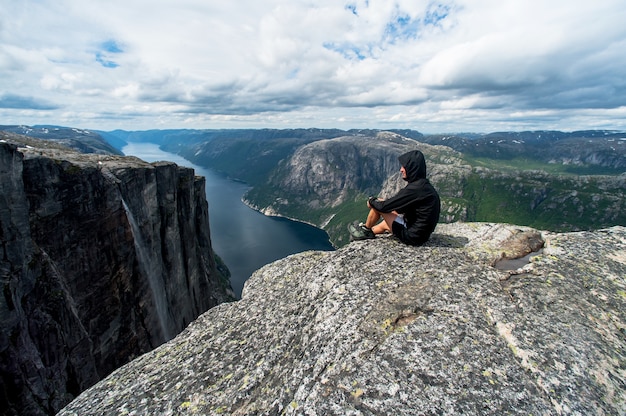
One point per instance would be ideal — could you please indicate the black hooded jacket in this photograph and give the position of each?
(418, 201)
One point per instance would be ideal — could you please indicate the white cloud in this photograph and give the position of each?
(447, 66)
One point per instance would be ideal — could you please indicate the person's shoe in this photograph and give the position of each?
(358, 231)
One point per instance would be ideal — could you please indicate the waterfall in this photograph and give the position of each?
(150, 267)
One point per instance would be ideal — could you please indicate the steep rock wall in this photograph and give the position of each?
(103, 259)
(381, 328)
(329, 172)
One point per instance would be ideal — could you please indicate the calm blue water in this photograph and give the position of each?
(244, 238)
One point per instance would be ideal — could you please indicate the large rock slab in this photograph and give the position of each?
(378, 327)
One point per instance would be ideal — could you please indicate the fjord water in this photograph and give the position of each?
(244, 238)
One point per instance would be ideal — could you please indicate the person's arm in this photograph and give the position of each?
(396, 202)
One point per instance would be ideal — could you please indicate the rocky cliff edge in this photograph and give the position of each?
(102, 258)
(381, 328)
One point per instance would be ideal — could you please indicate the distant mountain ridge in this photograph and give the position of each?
(547, 179)
(579, 152)
(84, 141)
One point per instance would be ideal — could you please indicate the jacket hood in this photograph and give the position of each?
(414, 164)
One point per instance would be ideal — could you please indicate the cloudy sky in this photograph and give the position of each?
(447, 66)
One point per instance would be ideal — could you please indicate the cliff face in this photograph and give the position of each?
(103, 259)
(380, 328)
(328, 170)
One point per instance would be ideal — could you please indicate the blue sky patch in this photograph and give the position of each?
(348, 51)
(111, 46)
(436, 13)
(352, 7)
(406, 28)
(402, 28)
(107, 48)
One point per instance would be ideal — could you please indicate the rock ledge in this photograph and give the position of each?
(381, 328)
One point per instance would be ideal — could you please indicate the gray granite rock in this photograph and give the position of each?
(102, 258)
(380, 328)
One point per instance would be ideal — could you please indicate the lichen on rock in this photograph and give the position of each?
(378, 327)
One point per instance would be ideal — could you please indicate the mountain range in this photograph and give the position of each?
(560, 181)
(548, 179)
(84, 141)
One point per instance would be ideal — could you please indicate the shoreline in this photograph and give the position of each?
(267, 213)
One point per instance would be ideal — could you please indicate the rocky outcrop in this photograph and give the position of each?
(329, 170)
(378, 327)
(103, 258)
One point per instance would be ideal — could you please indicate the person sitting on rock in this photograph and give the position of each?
(411, 215)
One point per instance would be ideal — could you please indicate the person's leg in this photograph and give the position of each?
(386, 224)
(372, 218)
(383, 226)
